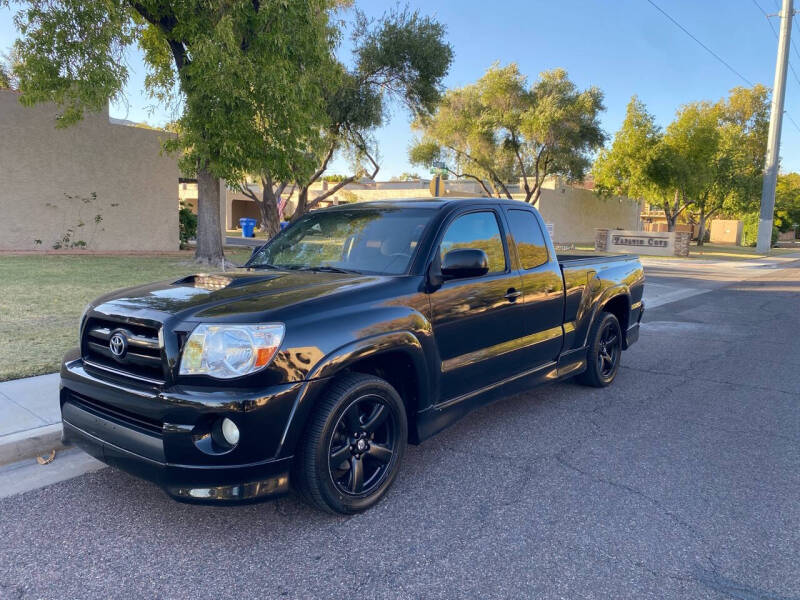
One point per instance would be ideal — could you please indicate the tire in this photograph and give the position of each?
(342, 471)
(604, 352)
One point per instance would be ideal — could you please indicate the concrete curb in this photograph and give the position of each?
(31, 443)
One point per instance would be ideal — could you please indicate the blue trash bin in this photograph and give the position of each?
(248, 227)
(284, 225)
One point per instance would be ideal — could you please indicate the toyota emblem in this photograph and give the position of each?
(118, 344)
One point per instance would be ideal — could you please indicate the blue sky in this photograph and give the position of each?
(624, 47)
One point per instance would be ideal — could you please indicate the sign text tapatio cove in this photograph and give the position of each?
(658, 243)
(630, 240)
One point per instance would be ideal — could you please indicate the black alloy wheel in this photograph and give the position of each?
(604, 351)
(363, 443)
(353, 445)
(610, 349)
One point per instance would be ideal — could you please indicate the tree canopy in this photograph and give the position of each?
(499, 129)
(400, 58)
(787, 201)
(245, 74)
(709, 159)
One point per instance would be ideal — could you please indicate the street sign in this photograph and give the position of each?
(438, 168)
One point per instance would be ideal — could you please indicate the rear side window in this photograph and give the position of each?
(477, 230)
(531, 246)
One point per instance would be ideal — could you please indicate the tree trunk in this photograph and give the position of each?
(701, 232)
(672, 213)
(209, 229)
(302, 204)
(270, 219)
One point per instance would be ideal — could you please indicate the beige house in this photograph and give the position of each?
(94, 185)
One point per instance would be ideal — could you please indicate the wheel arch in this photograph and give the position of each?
(619, 305)
(397, 357)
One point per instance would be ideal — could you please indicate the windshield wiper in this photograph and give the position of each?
(265, 266)
(328, 269)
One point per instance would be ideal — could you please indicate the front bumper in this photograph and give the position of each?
(158, 435)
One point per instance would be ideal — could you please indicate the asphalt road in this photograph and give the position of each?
(680, 481)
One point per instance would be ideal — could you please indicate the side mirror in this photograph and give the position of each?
(465, 262)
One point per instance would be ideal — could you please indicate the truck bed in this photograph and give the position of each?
(574, 260)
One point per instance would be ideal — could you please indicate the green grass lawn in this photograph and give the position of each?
(42, 296)
(725, 252)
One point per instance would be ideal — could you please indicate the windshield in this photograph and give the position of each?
(364, 240)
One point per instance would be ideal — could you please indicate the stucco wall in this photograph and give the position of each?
(135, 185)
(576, 213)
(726, 231)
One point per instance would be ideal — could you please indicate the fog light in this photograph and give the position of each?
(230, 431)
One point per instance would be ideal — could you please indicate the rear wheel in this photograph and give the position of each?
(604, 352)
(352, 448)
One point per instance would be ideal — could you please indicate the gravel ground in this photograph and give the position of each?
(680, 481)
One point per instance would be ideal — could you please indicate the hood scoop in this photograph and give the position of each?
(214, 282)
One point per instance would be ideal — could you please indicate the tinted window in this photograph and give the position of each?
(531, 246)
(365, 240)
(476, 230)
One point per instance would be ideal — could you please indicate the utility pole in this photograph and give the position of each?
(774, 141)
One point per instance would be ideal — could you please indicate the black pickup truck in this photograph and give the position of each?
(353, 332)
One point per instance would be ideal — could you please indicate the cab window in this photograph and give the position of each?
(476, 230)
(528, 235)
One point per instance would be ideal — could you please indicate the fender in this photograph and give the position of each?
(604, 298)
(340, 359)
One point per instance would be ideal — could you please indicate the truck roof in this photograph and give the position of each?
(432, 203)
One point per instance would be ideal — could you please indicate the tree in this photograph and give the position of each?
(498, 129)
(738, 166)
(400, 58)
(639, 164)
(709, 159)
(787, 201)
(693, 139)
(245, 74)
(746, 114)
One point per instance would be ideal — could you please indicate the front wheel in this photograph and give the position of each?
(353, 445)
(604, 352)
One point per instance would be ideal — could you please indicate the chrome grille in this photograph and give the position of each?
(142, 358)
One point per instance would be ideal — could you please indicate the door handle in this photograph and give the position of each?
(512, 295)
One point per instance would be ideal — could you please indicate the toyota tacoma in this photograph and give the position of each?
(353, 332)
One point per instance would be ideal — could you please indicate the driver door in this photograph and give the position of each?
(476, 320)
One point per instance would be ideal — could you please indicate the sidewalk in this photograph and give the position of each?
(30, 419)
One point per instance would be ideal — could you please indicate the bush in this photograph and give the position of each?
(750, 231)
(188, 224)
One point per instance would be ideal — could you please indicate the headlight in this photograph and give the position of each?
(227, 351)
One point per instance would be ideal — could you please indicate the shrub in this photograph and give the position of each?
(188, 224)
(750, 231)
